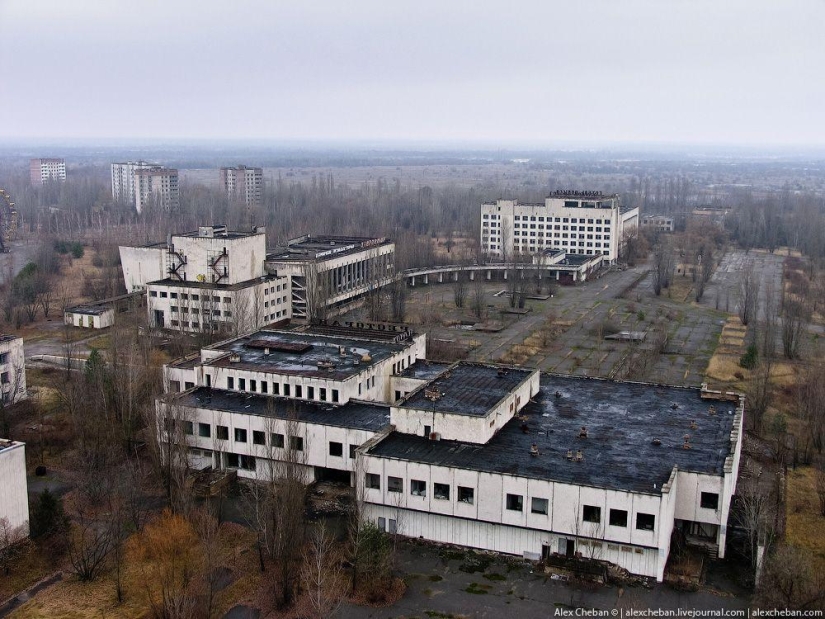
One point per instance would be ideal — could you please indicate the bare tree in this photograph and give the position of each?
(662, 266)
(322, 574)
(794, 319)
(477, 296)
(791, 581)
(460, 287)
(759, 394)
(749, 284)
(10, 537)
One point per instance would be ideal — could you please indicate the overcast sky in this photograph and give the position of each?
(508, 72)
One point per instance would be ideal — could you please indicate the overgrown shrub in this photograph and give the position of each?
(750, 358)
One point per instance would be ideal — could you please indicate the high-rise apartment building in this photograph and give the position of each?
(123, 179)
(159, 183)
(44, 170)
(243, 184)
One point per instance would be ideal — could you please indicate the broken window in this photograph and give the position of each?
(591, 513)
(645, 522)
(618, 518)
(515, 502)
(441, 491)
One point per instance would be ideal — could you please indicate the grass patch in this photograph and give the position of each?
(437, 614)
(451, 554)
(495, 577)
(478, 589)
(30, 565)
(804, 527)
(435, 578)
(474, 562)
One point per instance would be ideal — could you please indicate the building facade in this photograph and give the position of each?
(243, 184)
(12, 369)
(310, 398)
(490, 457)
(587, 223)
(594, 470)
(211, 280)
(159, 185)
(657, 223)
(123, 180)
(329, 272)
(45, 170)
(213, 268)
(14, 508)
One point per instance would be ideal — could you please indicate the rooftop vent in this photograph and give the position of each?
(579, 455)
(501, 373)
(569, 454)
(674, 406)
(342, 352)
(656, 442)
(326, 364)
(693, 425)
(366, 358)
(583, 432)
(712, 410)
(686, 444)
(534, 450)
(557, 394)
(235, 357)
(432, 394)
(266, 351)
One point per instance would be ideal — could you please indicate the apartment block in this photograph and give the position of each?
(159, 185)
(45, 170)
(243, 184)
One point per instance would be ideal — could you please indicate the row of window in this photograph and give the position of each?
(566, 220)
(241, 435)
(515, 502)
(282, 389)
(618, 518)
(568, 228)
(419, 488)
(185, 296)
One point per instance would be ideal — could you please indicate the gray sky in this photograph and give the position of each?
(719, 71)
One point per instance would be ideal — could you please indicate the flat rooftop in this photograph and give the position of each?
(218, 232)
(355, 414)
(577, 260)
(192, 283)
(622, 421)
(466, 389)
(425, 370)
(305, 354)
(6, 443)
(90, 310)
(310, 247)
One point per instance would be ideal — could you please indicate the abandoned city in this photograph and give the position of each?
(412, 310)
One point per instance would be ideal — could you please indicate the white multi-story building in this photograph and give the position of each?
(328, 272)
(588, 468)
(44, 170)
(584, 222)
(123, 180)
(489, 457)
(243, 184)
(159, 184)
(212, 279)
(14, 508)
(229, 277)
(321, 393)
(12, 369)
